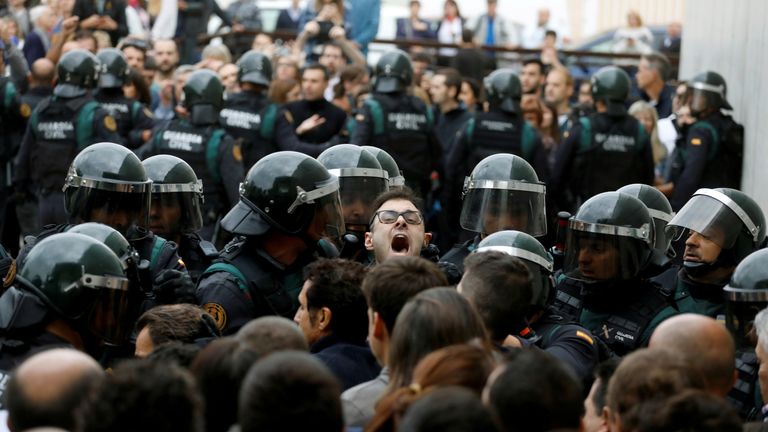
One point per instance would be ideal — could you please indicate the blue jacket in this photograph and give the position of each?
(351, 363)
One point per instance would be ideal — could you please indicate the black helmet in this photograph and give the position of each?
(394, 72)
(609, 238)
(82, 281)
(728, 217)
(503, 90)
(361, 180)
(539, 262)
(661, 211)
(611, 84)
(77, 72)
(107, 183)
(503, 193)
(114, 68)
(396, 179)
(745, 296)
(174, 185)
(706, 91)
(254, 67)
(203, 97)
(111, 239)
(287, 191)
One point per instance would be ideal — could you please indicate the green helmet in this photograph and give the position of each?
(707, 91)
(290, 192)
(539, 262)
(203, 97)
(254, 67)
(503, 192)
(745, 296)
(174, 185)
(609, 238)
(77, 72)
(82, 281)
(396, 179)
(726, 216)
(661, 212)
(106, 183)
(112, 239)
(611, 85)
(115, 69)
(361, 180)
(503, 90)
(394, 72)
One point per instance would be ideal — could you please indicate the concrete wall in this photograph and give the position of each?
(732, 39)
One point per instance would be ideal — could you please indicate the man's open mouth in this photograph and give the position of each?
(400, 244)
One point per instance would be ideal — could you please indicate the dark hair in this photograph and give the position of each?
(333, 44)
(536, 393)
(149, 62)
(550, 33)
(449, 409)
(455, 5)
(433, 319)
(86, 34)
(691, 410)
(142, 89)
(219, 370)
(349, 73)
(179, 322)
(405, 194)
(660, 63)
(317, 66)
(452, 79)
(421, 57)
(534, 60)
(144, 395)
(554, 128)
(499, 287)
(290, 391)
(335, 284)
(603, 373)
(180, 354)
(477, 89)
(389, 285)
(269, 334)
(278, 90)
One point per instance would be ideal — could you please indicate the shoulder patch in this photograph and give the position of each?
(360, 117)
(25, 110)
(109, 123)
(288, 116)
(696, 141)
(566, 134)
(237, 152)
(218, 313)
(584, 336)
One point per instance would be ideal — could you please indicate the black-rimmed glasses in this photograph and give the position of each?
(412, 217)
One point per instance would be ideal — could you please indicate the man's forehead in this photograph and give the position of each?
(398, 205)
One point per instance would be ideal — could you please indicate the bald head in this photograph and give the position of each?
(707, 345)
(42, 72)
(269, 334)
(46, 389)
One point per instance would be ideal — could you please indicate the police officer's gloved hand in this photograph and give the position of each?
(174, 286)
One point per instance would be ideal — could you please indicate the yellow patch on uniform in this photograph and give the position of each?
(109, 123)
(148, 113)
(25, 110)
(10, 277)
(566, 134)
(585, 336)
(182, 263)
(696, 141)
(360, 117)
(217, 312)
(288, 116)
(237, 152)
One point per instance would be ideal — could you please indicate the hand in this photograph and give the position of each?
(146, 135)
(182, 5)
(174, 286)
(107, 23)
(667, 189)
(69, 25)
(90, 22)
(418, 25)
(312, 28)
(512, 342)
(309, 124)
(337, 32)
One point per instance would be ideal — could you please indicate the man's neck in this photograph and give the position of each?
(62, 330)
(654, 90)
(161, 76)
(282, 248)
(448, 105)
(563, 108)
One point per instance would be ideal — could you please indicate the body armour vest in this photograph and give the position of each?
(122, 110)
(243, 117)
(496, 132)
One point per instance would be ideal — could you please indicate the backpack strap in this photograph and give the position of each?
(212, 153)
(585, 140)
(242, 282)
(528, 141)
(471, 123)
(377, 115)
(84, 125)
(157, 248)
(267, 127)
(10, 94)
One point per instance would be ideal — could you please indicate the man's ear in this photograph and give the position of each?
(427, 238)
(368, 243)
(608, 420)
(379, 328)
(324, 316)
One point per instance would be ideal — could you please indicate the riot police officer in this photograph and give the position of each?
(396, 179)
(720, 228)
(176, 211)
(711, 154)
(606, 150)
(134, 120)
(71, 292)
(288, 203)
(610, 241)
(564, 339)
(248, 116)
(503, 192)
(400, 124)
(13, 117)
(59, 128)
(198, 139)
(361, 180)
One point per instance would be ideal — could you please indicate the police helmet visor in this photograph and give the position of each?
(109, 80)
(255, 77)
(110, 318)
(702, 95)
(740, 317)
(397, 182)
(358, 188)
(597, 252)
(328, 221)
(120, 205)
(69, 90)
(492, 206)
(202, 114)
(176, 212)
(387, 84)
(711, 214)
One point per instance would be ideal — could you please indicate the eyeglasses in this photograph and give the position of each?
(412, 217)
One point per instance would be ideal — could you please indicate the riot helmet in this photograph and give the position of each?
(203, 97)
(114, 68)
(610, 238)
(177, 196)
(727, 217)
(82, 281)
(387, 162)
(254, 67)
(611, 85)
(77, 72)
(539, 262)
(661, 211)
(361, 180)
(106, 183)
(394, 72)
(707, 92)
(111, 239)
(745, 296)
(290, 192)
(503, 90)
(503, 192)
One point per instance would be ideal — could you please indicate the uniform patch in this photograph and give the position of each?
(360, 117)
(218, 314)
(566, 134)
(584, 336)
(181, 263)
(25, 110)
(237, 152)
(109, 123)
(696, 141)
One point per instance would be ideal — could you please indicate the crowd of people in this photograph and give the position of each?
(272, 236)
